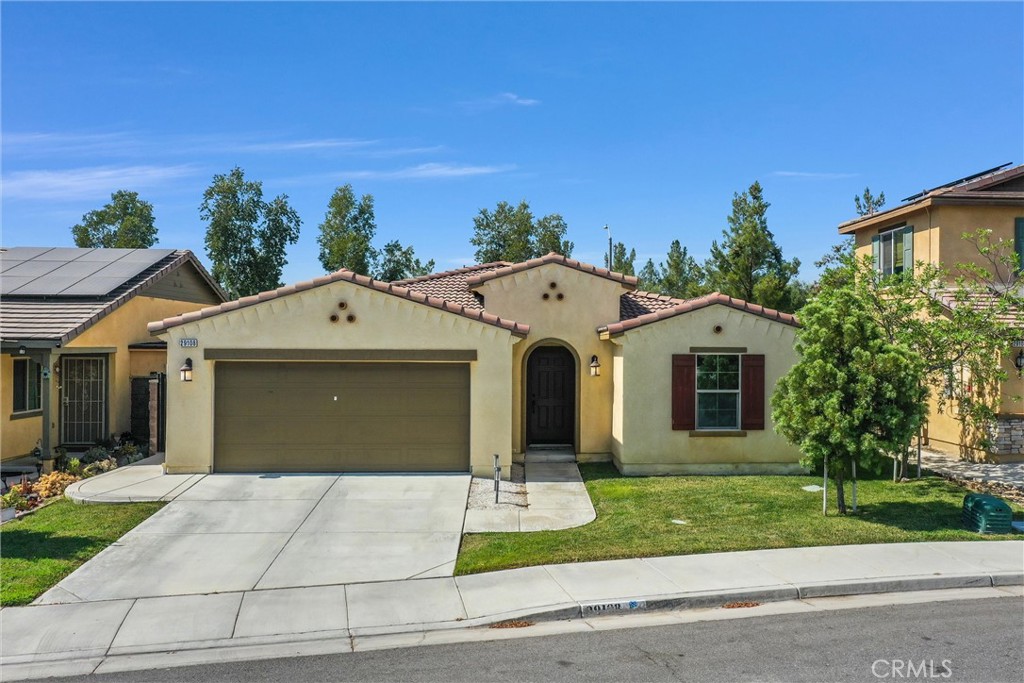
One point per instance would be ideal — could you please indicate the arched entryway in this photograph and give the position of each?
(551, 396)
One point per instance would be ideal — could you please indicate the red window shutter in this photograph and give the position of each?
(684, 391)
(752, 391)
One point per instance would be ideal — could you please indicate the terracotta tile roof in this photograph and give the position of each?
(58, 318)
(980, 301)
(451, 284)
(686, 306)
(628, 281)
(515, 328)
(636, 304)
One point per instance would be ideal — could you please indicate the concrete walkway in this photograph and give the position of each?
(556, 495)
(1009, 474)
(111, 635)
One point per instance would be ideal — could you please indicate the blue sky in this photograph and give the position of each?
(646, 117)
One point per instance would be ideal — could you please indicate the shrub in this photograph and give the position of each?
(99, 466)
(53, 484)
(16, 499)
(74, 467)
(95, 454)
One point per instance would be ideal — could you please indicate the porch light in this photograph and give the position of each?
(595, 366)
(22, 350)
(1019, 362)
(186, 371)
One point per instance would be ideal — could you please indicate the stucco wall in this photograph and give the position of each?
(17, 436)
(648, 443)
(301, 321)
(588, 302)
(939, 230)
(111, 335)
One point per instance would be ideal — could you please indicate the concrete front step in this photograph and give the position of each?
(553, 453)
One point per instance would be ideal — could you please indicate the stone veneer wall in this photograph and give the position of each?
(1008, 435)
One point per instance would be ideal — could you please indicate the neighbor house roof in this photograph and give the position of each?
(628, 281)
(952, 298)
(478, 314)
(680, 307)
(998, 186)
(51, 295)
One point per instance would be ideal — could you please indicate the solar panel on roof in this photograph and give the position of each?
(73, 272)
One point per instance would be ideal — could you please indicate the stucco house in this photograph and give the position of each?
(929, 227)
(77, 359)
(442, 372)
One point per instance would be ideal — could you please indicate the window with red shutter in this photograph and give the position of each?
(752, 391)
(684, 391)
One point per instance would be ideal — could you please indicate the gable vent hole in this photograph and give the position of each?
(560, 296)
(717, 329)
(546, 296)
(351, 318)
(334, 317)
(342, 305)
(553, 285)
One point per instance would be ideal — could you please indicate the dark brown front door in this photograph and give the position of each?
(551, 396)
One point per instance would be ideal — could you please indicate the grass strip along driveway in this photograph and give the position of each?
(654, 516)
(40, 549)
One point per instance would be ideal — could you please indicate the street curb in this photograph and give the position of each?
(21, 667)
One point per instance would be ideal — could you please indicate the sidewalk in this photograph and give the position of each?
(77, 638)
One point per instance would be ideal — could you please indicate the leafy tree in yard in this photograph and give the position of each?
(125, 223)
(622, 262)
(510, 233)
(853, 394)
(399, 263)
(867, 203)
(748, 264)
(961, 323)
(246, 237)
(347, 233)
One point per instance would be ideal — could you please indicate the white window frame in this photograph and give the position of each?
(738, 391)
(31, 366)
(890, 237)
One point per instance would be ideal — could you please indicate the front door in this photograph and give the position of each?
(83, 382)
(551, 396)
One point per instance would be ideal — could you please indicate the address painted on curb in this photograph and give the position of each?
(605, 607)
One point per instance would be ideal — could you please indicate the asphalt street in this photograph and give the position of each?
(970, 640)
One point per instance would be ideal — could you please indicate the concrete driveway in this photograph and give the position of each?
(240, 532)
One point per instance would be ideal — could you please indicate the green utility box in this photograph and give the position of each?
(986, 514)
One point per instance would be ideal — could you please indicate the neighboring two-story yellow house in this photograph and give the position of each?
(929, 227)
(76, 359)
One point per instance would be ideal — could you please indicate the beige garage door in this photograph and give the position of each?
(341, 417)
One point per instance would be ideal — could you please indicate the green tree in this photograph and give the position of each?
(867, 203)
(246, 237)
(125, 223)
(748, 264)
(681, 276)
(649, 277)
(347, 233)
(510, 233)
(853, 395)
(622, 262)
(399, 263)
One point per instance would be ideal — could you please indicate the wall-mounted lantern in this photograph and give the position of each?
(595, 367)
(1019, 362)
(22, 350)
(186, 371)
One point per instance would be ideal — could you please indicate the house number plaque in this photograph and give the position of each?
(189, 342)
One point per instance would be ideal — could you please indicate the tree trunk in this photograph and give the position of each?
(840, 494)
(905, 463)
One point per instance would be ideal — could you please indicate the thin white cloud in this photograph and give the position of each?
(431, 171)
(813, 175)
(82, 183)
(300, 145)
(502, 99)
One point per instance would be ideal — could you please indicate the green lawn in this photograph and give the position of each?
(39, 550)
(634, 519)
